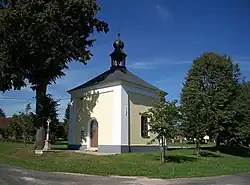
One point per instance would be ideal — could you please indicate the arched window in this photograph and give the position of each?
(144, 127)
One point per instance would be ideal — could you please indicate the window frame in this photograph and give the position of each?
(145, 133)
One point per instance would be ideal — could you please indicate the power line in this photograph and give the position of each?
(30, 99)
(9, 98)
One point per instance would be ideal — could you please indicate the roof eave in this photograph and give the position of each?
(98, 86)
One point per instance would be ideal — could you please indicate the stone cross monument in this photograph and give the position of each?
(47, 145)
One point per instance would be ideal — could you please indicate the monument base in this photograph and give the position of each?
(47, 146)
(39, 152)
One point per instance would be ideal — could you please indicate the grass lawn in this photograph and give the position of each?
(181, 163)
(64, 144)
(185, 144)
(60, 145)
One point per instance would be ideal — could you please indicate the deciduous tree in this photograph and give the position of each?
(38, 39)
(240, 133)
(163, 121)
(22, 125)
(66, 120)
(207, 97)
(49, 110)
(2, 113)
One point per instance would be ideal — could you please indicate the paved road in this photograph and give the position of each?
(17, 176)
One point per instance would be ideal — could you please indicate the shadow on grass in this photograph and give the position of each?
(17, 141)
(180, 159)
(61, 143)
(189, 148)
(235, 151)
(208, 154)
(60, 148)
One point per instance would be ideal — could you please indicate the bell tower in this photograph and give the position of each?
(118, 57)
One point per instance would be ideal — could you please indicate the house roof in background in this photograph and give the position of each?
(4, 122)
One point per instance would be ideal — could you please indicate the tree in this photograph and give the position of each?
(163, 121)
(66, 116)
(240, 134)
(194, 111)
(66, 120)
(15, 128)
(27, 120)
(207, 97)
(3, 131)
(246, 121)
(22, 125)
(38, 39)
(60, 131)
(49, 110)
(2, 113)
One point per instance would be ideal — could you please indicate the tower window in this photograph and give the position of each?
(144, 127)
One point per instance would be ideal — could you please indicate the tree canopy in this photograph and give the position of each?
(2, 113)
(66, 120)
(163, 120)
(212, 99)
(240, 132)
(22, 125)
(38, 39)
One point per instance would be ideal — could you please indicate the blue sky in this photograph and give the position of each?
(161, 38)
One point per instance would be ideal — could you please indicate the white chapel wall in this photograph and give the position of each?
(104, 105)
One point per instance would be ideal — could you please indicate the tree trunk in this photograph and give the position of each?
(197, 147)
(24, 139)
(40, 138)
(161, 151)
(218, 142)
(41, 120)
(165, 150)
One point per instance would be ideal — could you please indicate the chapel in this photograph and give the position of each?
(105, 112)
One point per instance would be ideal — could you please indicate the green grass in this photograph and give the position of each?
(60, 145)
(185, 144)
(181, 163)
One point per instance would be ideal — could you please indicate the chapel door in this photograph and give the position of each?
(94, 133)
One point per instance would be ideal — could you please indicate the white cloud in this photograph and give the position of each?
(243, 59)
(143, 65)
(164, 14)
(177, 78)
(157, 63)
(154, 63)
(165, 80)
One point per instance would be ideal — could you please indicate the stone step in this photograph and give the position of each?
(92, 149)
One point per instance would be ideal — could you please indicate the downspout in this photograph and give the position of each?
(128, 118)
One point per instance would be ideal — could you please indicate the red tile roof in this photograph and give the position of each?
(4, 122)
